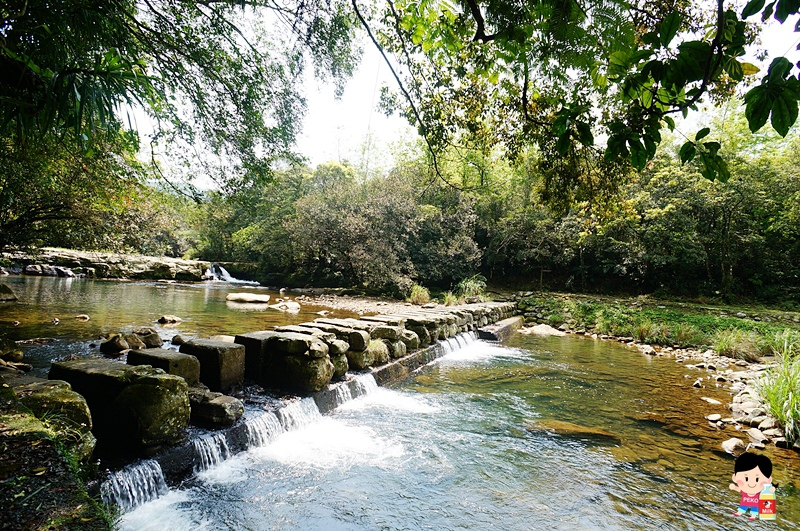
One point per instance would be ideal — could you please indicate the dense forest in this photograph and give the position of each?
(550, 154)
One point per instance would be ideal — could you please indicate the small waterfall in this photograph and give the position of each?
(262, 430)
(134, 485)
(455, 343)
(343, 394)
(210, 451)
(298, 414)
(363, 384)
(219, 273)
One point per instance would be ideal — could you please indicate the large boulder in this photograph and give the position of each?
(397, 349)
(256, 353)
(115, 344)
(305, 374)
(359, 360)
(184, 365)
(132, 406)
(221, 363)
(340, 366)
(7, 294)
(64, 410)
(411, 339)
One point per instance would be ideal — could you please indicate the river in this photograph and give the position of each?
(460, 445)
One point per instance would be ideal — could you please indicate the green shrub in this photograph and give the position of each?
(449, 299)
(783, 343)
(419, 295)
(780, 389)
(738, 344)
(583, 312)
(555, 319)
(643, 331)
(687, 335)
(613, 321)
(471, 287)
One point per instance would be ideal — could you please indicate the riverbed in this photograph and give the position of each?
(464, 444)
(461, 446)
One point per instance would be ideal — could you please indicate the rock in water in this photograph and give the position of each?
(169, 319)
(542, 330)
(7, 294)
(247, 297)
(114, 345)
(571, 430)
(733, 446)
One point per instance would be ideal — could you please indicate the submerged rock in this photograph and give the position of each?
(571, 430)
(7, 294)
(733, 446)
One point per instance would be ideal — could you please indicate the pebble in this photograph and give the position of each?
(733, 445)
(698, 383)
(714, 417)
(756, 435)
(711, 401)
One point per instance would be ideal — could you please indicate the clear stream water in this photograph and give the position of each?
(457, 446)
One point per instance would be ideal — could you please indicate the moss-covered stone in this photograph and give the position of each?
(359, 360)
(153, 411)
(340, 366)
(64, 411)
(306, 375)
(184, 365)
(379, 351)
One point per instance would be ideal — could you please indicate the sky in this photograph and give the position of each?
(339, 130)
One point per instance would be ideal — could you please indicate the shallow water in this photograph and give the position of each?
(455, 447)
(115, 306)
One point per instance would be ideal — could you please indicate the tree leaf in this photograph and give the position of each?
(702, 133)
(758, 107)
(669, 28)
(749, 69)
(687, 152)
(563, 143)
(752, 7)
(784, 113)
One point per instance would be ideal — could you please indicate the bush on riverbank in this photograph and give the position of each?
(738, 332)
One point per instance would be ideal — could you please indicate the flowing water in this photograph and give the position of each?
(464, 444)
(460, 446)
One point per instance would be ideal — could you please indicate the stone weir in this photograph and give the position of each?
(322, 363)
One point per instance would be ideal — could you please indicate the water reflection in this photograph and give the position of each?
(115, 306)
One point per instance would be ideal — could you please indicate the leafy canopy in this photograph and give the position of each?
(589, 84)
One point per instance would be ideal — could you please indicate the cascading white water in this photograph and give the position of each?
(210, 450)
(263, 429)
(134, 485)
(455, 343)
(130, 488)
(363, 384)
(217, 272)
(298, 414)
